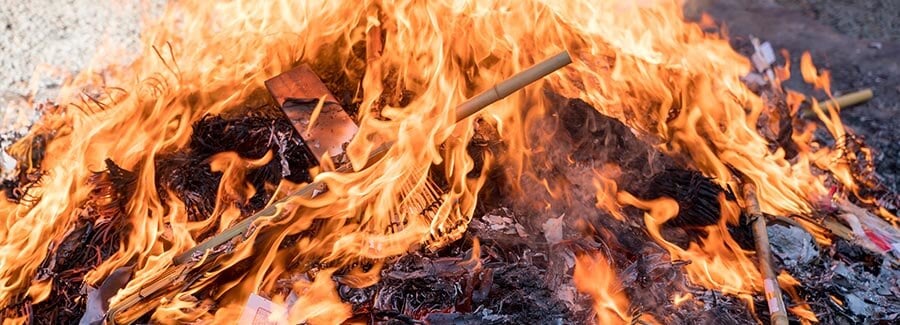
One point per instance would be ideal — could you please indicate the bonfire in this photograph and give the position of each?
(444, 162)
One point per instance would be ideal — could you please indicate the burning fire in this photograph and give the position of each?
(638, 62)
(594, 276)
(717, 262)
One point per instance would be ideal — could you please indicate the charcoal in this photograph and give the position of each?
(521, 293)
(486, 317)
(453, 290)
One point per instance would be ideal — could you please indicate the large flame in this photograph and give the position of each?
(639, 62)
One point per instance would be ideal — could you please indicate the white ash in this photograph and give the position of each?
(868, 295)
(793, 246)
(16, 116)
(553, 229)
(503, 220)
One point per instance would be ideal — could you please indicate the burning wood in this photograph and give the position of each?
(617, 178)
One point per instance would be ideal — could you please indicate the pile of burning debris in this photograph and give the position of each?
(666, 180)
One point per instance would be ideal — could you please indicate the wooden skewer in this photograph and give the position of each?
(777, 312)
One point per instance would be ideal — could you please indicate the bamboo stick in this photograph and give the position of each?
(511, 85)
(843, 101)
(777, 312)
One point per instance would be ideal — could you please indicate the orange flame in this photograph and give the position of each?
(594, 276)
(679, 299)
(789, 284)
(717, 262)
(638, 62)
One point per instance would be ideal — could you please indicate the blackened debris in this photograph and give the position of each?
(95, 237)
(187, 173)
(456, 290)
(696, 195)
(843, 284)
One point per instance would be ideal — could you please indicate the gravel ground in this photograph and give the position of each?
(54, 38)
(42, 42)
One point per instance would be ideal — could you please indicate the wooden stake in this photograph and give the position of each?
(777, 312)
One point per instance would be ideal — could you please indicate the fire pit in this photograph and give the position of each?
(494, 162)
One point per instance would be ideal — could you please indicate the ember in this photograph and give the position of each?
(392, 162)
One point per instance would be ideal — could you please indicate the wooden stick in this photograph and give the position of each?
(777, 312)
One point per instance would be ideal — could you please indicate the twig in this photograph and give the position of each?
(777, 312)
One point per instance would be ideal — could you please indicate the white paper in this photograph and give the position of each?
(257, 311)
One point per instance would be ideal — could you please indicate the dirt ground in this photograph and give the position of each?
(859, 41)
(871, 19)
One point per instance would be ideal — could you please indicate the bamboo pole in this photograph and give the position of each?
(511, 85)
(843, 101)
(777, 312)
